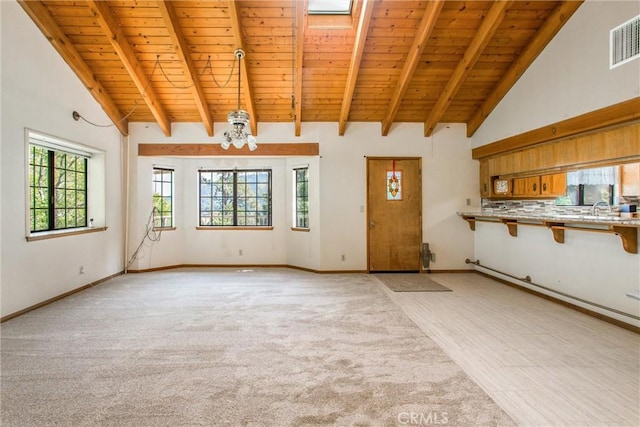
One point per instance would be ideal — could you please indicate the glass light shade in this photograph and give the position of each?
(238, 136)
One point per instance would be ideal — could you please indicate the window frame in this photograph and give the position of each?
(235, 198)
(54, 203)
(577, 187)
(297, 198)
(94, 187)
(332, 19)
(162, 196)
(343, 11)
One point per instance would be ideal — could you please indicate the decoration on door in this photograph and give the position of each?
(394, 184)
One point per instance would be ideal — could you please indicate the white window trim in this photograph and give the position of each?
(294, 226)
(96, 183)
(173, 193)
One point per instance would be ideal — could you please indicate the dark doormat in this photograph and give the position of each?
(410, 283)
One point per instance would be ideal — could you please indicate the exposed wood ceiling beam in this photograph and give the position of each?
(427, 25)
(100, 10)
(549, 29)
(275, 149)
(297, 114)
(182, 52)
(354, 65)
(487, 29)
(234, 15)
(40, 15)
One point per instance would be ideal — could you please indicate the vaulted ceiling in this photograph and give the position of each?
(389, 61)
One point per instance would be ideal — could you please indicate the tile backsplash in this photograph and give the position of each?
(538, 207)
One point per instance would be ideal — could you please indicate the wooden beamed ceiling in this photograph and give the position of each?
(392, 61)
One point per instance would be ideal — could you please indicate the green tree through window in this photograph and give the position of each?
(302, 197)
(58, 189)
(163, 198)
(235, 198)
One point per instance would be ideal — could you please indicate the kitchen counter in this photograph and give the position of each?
(559, 218)
(623, 226)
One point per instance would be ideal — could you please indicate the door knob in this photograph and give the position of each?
(372, 223)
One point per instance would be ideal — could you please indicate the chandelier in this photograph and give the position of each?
(240, 134)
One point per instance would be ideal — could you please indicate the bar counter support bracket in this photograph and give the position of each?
(628, 234)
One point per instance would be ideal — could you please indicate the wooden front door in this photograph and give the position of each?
(394, 214)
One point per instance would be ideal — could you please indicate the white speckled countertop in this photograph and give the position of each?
(560, 218)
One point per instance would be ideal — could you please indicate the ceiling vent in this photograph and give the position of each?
(625, 42)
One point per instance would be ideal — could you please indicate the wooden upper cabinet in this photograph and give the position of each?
(630, 179)
(553, 185)
(485, 179)
(526, 187)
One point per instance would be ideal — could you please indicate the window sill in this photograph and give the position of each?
(63, 233)
(164, 228)
(234, 228)
(305, 230)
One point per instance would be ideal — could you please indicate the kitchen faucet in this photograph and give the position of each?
(595, 205)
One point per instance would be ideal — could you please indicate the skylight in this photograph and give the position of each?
(329, 7)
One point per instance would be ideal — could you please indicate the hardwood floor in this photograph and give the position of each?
(544, 364)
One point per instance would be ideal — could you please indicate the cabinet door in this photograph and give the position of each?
(630, 179)
(485, 179)
(526, 187)
(553, 185)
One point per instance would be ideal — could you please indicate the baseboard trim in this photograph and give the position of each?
(294, 267)
(564, 303)
(430, 271)
(57, 298)
(341, 272)
(172, 267)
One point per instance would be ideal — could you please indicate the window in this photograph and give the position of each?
(162, 198)
(588, 186)
(302, 197)
(329, 7)
(235, 198)
(57, 189)
(330, 14)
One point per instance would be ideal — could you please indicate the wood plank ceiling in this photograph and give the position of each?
(390, 61)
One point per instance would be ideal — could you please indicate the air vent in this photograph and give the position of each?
(625, 42)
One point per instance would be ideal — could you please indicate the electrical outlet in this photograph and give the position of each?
(433, 257)
(343, 257)
(468, 202)
(81, 270)
(240, 252)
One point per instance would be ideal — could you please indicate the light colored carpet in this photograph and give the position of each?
(410, 282)
(194, 347)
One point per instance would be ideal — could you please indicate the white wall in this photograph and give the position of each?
(304, 248)
(337, 197)
(570, 77)
(39, 91)
(449, 177)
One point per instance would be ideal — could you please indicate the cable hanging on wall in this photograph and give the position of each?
(150, 234)
(158, 65)
(77, 116)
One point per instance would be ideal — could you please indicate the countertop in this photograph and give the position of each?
(558, 218)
